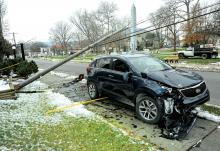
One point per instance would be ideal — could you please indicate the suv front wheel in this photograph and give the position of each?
(92, 90)
(148, 110)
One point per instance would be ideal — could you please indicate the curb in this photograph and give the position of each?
(207, 68)
(212, 105)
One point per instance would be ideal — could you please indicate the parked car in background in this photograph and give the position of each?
(205, 51)
(154, 88)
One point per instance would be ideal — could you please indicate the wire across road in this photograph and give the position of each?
(212, 78)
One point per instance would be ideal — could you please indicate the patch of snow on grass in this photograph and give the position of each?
(207, 115)
(216, 63)
(4, 85)
(18, 116)
(61, 101)
(59, 74)
(36, 85)
(71, 77)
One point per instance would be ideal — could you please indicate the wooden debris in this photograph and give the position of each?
(10, 93)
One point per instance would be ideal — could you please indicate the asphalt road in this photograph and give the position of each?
(213, 82)
(69, 67)
(212, 78)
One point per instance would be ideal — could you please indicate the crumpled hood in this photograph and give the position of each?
(176, 78)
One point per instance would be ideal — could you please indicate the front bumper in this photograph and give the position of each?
(198, 100)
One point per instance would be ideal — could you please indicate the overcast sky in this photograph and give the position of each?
(32, 19)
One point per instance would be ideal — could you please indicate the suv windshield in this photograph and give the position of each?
(148, 64)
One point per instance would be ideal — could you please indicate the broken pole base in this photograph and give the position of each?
(8, 95)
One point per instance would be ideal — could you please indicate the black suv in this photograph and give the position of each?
(153, 87)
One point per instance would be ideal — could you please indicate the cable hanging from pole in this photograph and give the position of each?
(137, 33)
(159, 15)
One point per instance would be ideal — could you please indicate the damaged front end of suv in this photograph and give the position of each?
(179, 108)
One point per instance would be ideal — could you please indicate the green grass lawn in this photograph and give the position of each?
(24, 126)
(83, 134)
(73, 134)
(200, 61)
(192, 60)
(211, 109)
(161, 55)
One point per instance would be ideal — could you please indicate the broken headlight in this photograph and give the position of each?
(167, 88)
(169, 105)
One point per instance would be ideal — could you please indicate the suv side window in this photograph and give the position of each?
(103, 63)
(120, 65)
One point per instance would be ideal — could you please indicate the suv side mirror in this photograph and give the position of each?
(127, 76)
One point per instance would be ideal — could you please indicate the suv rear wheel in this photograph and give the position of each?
(92, 90)
(148, 110)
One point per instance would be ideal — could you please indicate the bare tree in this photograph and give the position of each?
(86, 23)
(106, 14)
(2, 40)
(80, 39)
(2, 14)
(61, 34)
(208, 26)
(170, 16)
(191, 11)
(158, 20)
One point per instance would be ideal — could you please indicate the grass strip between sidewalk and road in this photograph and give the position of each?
(211, 109)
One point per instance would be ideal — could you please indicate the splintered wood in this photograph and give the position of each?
(8, 91)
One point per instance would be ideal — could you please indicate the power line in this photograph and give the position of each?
(161, 27)
(211, 5)
(158, 15)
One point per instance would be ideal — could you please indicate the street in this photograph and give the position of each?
(212, 78)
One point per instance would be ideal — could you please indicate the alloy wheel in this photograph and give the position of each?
(148, 110)
(92, 90)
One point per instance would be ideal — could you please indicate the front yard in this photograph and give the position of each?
(25, 126)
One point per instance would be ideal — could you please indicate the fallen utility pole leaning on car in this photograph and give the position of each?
(38, 75)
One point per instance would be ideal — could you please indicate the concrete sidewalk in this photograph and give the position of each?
(210, 143)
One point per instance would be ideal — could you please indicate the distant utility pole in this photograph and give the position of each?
(14, 47)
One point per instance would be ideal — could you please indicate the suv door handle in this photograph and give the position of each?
(110, 76)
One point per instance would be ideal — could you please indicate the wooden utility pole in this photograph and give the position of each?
(22, 51)
(42, 73)
(14, 46)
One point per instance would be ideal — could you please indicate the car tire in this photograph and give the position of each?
(148, 109)
(181, 56)
(204, 56)
(92, 90)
